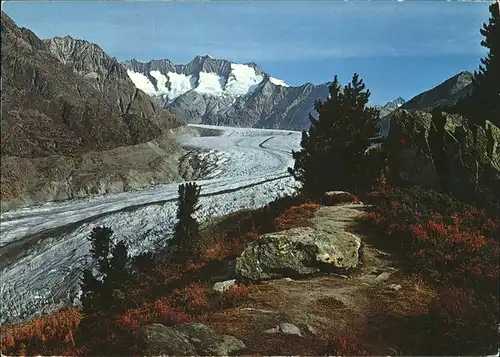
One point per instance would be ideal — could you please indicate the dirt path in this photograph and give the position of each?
(327, 306)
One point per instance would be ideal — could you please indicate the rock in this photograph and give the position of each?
(222, 286)
(311, 330)
(325, 246)
(285, 328)
(259, 310)
(395, 287)
(298, 251)
(382, 253)
(384, 276)
(411, 157)
(188, 340)
(273, 330)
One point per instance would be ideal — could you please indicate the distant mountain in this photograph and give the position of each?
(220, 92)
(109, 77)
(66, 105)
(390, 106)
(445, 94)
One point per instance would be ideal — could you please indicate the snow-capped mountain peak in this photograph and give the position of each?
(204, 74)
(394, 104)
(216, 91)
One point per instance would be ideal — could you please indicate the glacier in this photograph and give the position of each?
(45, 248)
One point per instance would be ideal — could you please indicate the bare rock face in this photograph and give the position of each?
(325, 246)
(193, 339)
(439, 151)
(62, 99)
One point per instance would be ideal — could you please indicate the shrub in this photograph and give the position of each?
(48, 335)
(296, 216)
(448, 244)
(342, 346)
(339, 198)
(192, 298)
(158, 311)
(461, 322)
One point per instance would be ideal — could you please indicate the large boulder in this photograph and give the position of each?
(189, 340)
(324, 246)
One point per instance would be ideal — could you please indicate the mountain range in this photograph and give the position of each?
(220, 92)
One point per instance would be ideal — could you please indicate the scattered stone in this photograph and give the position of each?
(384, 276)
(223, 286)
(259, 310)
(395, 287)
(188, 340)
(311, 330)
(288, 279)
(385, 254)
(273, 330)
(285, 328)
(341, 276)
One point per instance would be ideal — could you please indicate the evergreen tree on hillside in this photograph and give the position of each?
(335, 144)
(100, 294)
(186, 238)
(484, 102)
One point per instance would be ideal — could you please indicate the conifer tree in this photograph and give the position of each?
(186, 238)
(97, 294)
(484, 102)
(335, 144)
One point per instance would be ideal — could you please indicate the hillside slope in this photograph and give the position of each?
(62, 99)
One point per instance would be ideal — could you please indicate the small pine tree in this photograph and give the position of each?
(335, 144)
(186, 238)
(97, 295)
(484, 102)
(118, 275)
(100, 240)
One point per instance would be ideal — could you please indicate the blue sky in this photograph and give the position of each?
(399, 48)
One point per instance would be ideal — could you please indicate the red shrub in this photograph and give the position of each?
(51, 334)
(339, 198)
(296, 216)
(159, 311)
(192, 298)
(342, 346)
(446, 244)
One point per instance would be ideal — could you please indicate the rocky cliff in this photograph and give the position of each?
(62, 99)
(442, 151)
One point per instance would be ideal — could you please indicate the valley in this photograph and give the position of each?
(44, 248)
